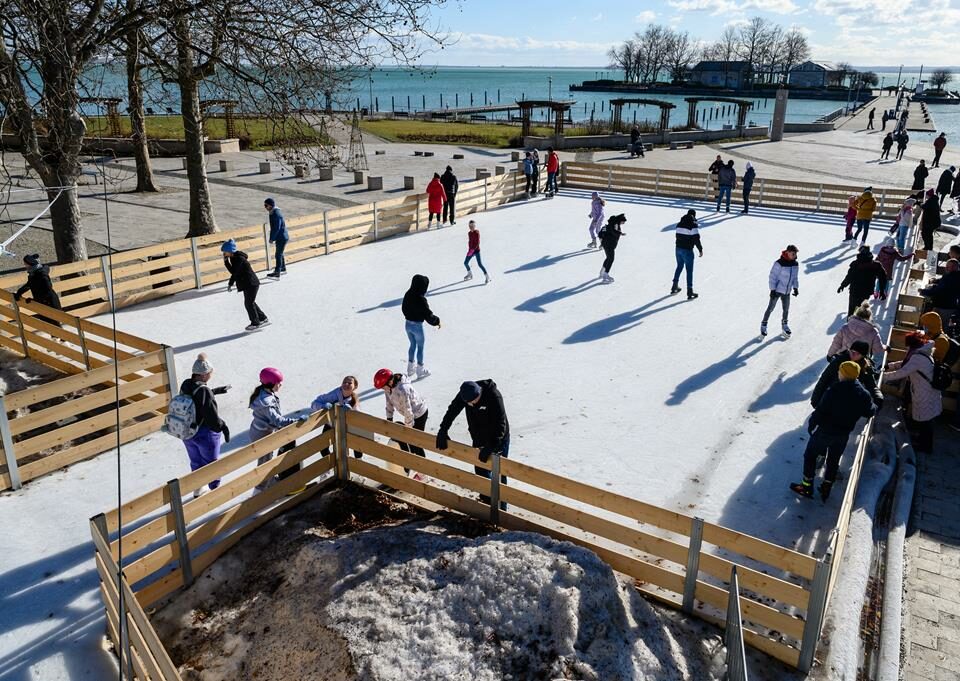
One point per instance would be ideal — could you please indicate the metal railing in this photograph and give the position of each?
(733, 633)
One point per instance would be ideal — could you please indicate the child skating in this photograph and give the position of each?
(609, 238)
(473, 251)
(416, 310)
(596, 218)
(247, 282)
(268, 418)
(850, 217)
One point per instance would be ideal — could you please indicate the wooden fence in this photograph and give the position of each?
(767, 192)
(162, 540)
(88, 287)
(59, 423)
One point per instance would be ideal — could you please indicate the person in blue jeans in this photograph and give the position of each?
(688, 238)
(416, 311)
(278, 236)
(727, 181)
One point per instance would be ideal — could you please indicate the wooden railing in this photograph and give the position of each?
(88, 287)
(162, 540)
(59, 423)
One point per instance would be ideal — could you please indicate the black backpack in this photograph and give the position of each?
(953, 352)
(942, 375)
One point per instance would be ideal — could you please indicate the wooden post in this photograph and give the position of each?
(23, 333)
(760, 196)
(816, 609)
(486, 183)
(266, 243)
(340, 444)
(196, 263)
(171, 367)
(107, 278)
(706, 188)
(376, 222)
(326, 235)
(180, 529)
(563, 174)
(83, 344)
(693, 564)
(8, 452)
(417, 228)
(495, 489)
(101, 540)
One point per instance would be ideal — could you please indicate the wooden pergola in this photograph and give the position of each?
(228, 106)
(616, 109)
(558, 108)
(742, 104)
(112, 105)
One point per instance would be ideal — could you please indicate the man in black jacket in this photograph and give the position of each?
(416, 311)
(944, 294)
(862, 277)
(830, 426)
(945, 184)
(451, 186)
(486, 421)
(920, 176)
(859, 352)
(40, 286)
(247, 282)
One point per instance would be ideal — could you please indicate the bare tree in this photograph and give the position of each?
(622, 57)
(796, 50)
(940, 78)
(725, 50)
(138, 130)
(753, 40)
(680, 54)
(844, 69)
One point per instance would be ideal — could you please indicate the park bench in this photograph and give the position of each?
(681, 144)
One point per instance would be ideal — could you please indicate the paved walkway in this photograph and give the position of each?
(932, 582)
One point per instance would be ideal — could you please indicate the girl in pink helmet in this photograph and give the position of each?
(268, 417)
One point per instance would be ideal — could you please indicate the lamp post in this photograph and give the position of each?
(550, 88)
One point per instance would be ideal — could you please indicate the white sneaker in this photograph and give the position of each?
(486, 279)
(422, 371)
(469, 276)
(411, 367)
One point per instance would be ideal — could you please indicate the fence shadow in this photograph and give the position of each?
(452, 287)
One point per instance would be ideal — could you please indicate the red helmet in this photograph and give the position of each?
(381, 378)
(270, 376)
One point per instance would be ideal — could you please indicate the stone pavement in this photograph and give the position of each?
(931, 624)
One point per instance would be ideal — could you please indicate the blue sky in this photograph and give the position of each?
(537, 33)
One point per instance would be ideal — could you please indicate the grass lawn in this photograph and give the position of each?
(497, 135)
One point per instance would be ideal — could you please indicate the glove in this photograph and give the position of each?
(442, 440)
(485, 453)
(301, 421)
(796, 292)
(226, 432)
(701, 252)
(222, 390)
(773, 294)
(840, 290)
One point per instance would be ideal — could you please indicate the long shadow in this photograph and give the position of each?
(788, 390)
(837, 323)
(707, 376)
(828, 259)
(536, 304)
(439, 291)
(548, 260)
(618, 323)
(210, 342)
(483, 152)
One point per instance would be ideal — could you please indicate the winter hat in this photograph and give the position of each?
(863, 311)
(33, 260)
(202, 365)
(792, 249)
(849, 371)
(888, 241)
(595, 195)
(269, 202)
(867, 190)
(863, 347)
(270, 376)
(952, 168)
(692, 213)
(748, 165)
(914, 340)
(229, 246)
(910, 202)
(469, 391)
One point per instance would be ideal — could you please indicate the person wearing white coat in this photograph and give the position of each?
(784, 279)
(925, 401)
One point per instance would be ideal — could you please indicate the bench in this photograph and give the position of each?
(418, 153)
(477, 117)
(401, 114)
(380, 152)
(458, 157)
(428, 153)
(681, 144)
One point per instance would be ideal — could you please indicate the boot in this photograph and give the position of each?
(603, 274)
(825, 488)
(674, 289)
(786, 330)
(763, 329)
(422, 371)
(691, 295)
(411, 367)
(486, 279)
(469, 276)
(804, 489)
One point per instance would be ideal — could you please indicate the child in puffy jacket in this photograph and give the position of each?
(596, 218)
(345, 396)
(888, 255)
(850, 217)
(473, 251)
(268, 418)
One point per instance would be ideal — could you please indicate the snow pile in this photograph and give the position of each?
(19, 373)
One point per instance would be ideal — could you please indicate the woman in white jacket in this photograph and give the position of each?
(784, 278)
(858, 327)
(925, 400)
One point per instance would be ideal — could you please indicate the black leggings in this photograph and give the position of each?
(529, 186)
(449, 207)
(250, 302)
(420, 423)
(610, 251)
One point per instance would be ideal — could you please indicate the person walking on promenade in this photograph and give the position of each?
(553, 168)
(888, 255)
(865, 204)
(486, 422)
(920, 174)
(403, 398)
(925, 401)
(245, 279)
(203, 447)
(279, 236)
(596, 218)
(903, 139)
(416, 311)
(945, 184)
(748, 177)
(450, 187)
(40, 286)
(858, 352)
(862, 277)
(436, 197)
(268, 418)
(850, 217)
(886, 146)
(636, 145)
(783, 280)
(830, 425)
(535, 155)
(727, 180)
(903, 222)
(930, 220)
(939, 144)
(610, 235)
(883, 119)
(473, 251)
(858, 327)
(688, 238)
(529, 172)
(873, 112)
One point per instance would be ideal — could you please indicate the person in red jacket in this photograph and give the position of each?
(436, 197)
(553, 167)
(473, 251)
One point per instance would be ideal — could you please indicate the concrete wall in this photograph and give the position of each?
(620, 141)
(122, 146)
(807, 127)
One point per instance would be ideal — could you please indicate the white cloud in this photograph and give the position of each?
(645, 17)
(487, 42)
(716, 7)
(597, 17)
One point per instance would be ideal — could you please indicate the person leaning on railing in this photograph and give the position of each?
(40, 286)
(923, 401)
(344, 396)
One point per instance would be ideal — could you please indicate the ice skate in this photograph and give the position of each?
(786, 330)
(804, 489)
(602, 274)
(251, 327)
(469, 276)
(606, 278)
(422, 371)
(263, 323)
(763, 330)
(273, 275)
(691, 295)
(486, 279)
(592, 244)
(825, 488)
(411, 369)
(674, 289)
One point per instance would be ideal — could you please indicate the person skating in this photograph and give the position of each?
(486, 421)
(596, 218)
(850, 217)
(920, 174)
(783, 280)
(904, 221)
(939, 144)
(945, 184)
(344, 396)
(40, 286)
(843, 404)
(528, 172)
(887, 145)
(865, 204)
(436, 197)
(610, 235)
(553, 167)
(749, 176)
(859, 327)
(873, 112)
(687, 238)
(204, 447)
(401, 397)
(925, 401)
(858, 352)
(727, 181)
(268, 418)
(930, 219)
(903, 139)
(416, 311)
(279, 236)
(245, 279)
(862, 277)
(889, 255)
(450, 187)
(473, 251)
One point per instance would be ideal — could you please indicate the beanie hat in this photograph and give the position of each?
(469, 391)
(202, 365)
(229, 246)
(850, 370)
(863, 347)
(32, 260)
(269, 202)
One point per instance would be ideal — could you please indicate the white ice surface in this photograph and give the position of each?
(621, 386)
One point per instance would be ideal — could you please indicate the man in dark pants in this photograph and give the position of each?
(859, 353)
(486, 421)
(830, 426)
(451, 186)
(278, 236)
(862, 277)
(245, 279)
(873, 112)
(939, 145)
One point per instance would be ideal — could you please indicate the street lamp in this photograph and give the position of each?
(550, 88)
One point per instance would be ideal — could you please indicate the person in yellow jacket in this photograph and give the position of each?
(865, 205)
(933, 326)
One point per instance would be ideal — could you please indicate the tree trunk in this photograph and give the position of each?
(138, 136)
(67, 229)
(201, 209)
